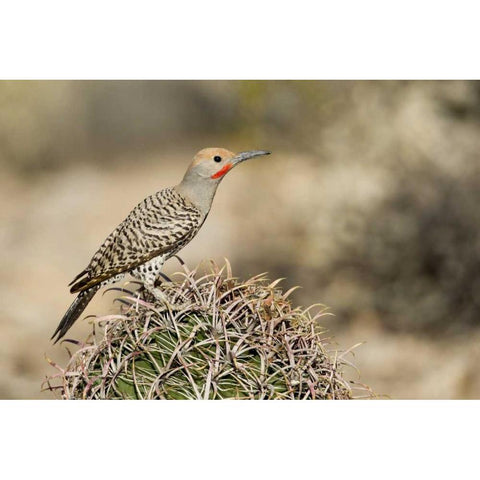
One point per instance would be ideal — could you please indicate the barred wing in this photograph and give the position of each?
(160, 225)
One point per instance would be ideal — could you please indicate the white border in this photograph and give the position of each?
(257, 39)
(238, 440)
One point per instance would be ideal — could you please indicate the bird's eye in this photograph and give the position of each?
(217, 158)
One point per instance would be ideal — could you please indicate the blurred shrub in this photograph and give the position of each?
(385, 224)
(51, 123)
(420, 254)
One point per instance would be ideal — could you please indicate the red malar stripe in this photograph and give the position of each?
(222, 171)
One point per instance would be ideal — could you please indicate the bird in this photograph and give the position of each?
(155, 230)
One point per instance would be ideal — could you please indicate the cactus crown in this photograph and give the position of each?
(236, 339)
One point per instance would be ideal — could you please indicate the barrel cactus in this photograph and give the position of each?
(233, 340)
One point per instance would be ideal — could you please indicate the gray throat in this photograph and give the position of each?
(199, 191)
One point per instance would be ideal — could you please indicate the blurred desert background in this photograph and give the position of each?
(370, 202)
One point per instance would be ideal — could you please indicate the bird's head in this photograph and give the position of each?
(206, 171)
(214, 163)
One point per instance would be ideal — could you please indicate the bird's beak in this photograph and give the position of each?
(242, 156)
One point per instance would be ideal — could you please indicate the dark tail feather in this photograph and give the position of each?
(75, 310)
(81, 274)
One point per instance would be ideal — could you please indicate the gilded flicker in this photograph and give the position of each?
(155, 229)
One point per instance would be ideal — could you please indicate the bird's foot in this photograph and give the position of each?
(166, 304)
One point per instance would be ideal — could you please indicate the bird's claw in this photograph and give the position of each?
(166, 304)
